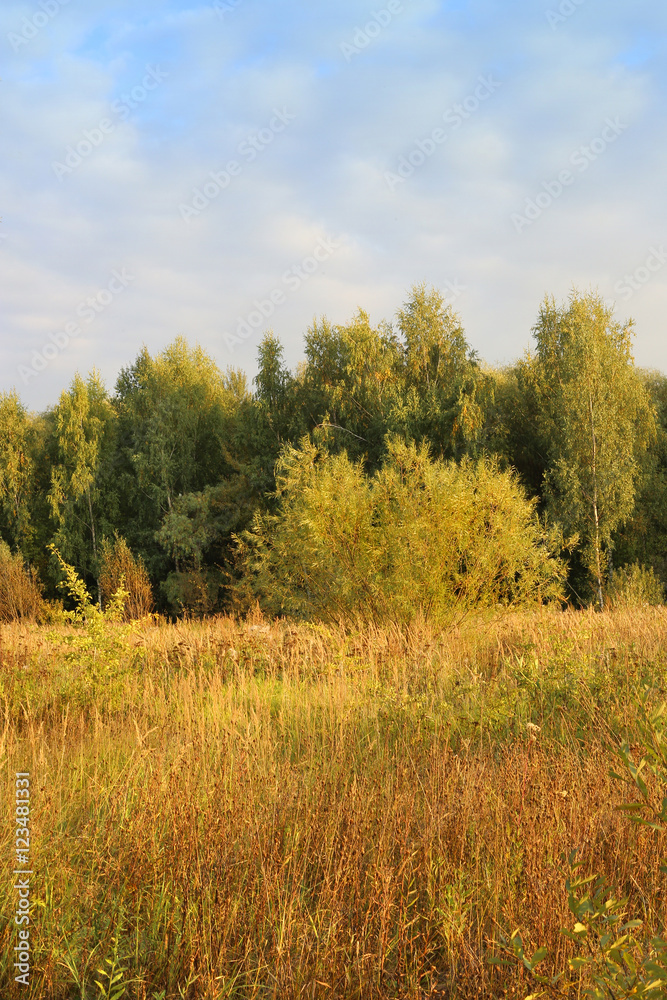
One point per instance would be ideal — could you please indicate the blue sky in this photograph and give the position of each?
(218, 169)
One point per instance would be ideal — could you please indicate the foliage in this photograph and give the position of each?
(83, 419)
(347, 545)
(179, 432)
(446, 393)
(20, 590)
(596, 419)
(16, 470)
(121, 570)
(644, 538)
(99, 643)
(635, 586)
(181, 456)
(85, 612)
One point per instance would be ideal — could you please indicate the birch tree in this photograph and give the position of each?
(81, 420)
(16, 469)
(596, 419)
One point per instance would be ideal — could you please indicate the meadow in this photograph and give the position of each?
(262, 809)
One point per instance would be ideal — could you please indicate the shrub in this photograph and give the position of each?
(635, 586)
(193, 592)
(120, 569)
(419, 538)
(20, 590)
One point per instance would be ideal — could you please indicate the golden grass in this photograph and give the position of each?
(257, 809)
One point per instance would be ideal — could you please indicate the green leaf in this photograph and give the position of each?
(538, 957)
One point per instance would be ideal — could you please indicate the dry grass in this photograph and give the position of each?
(266, 810)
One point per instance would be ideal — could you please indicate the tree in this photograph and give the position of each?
(595, 419)
(644, 538)
(16, 470)
(351, 385)
(178, 432)
(83, 420)
(445, 391)
(417, 538)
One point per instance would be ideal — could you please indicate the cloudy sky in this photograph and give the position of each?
(216, 169)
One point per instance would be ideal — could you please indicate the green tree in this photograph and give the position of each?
(350, 386)
(445, 390)
(644, 538)
(595, 419)
(16, 471)
(83, 424)
(179, 432)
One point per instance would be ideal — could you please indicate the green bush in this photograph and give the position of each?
(192, 593)
(419, 538)
(635, 586)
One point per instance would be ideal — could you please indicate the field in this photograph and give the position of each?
(262, 809)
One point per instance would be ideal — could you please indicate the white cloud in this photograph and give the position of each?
(325, 174)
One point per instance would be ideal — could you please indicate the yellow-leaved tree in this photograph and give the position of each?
(420, 537)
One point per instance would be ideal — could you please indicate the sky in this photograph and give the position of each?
(215, 170)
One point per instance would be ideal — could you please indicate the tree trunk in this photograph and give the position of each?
(94, 537)
(598, 554)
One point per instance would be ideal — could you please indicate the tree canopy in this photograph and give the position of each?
(390, 445)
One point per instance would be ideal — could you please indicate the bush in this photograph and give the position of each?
(193, 592)
(419, 538)
(121, 570)
(20, 590)
(635, 586)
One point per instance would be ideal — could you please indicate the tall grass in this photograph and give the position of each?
(257, 809)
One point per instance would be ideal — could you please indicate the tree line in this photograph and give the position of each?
(222, 493)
